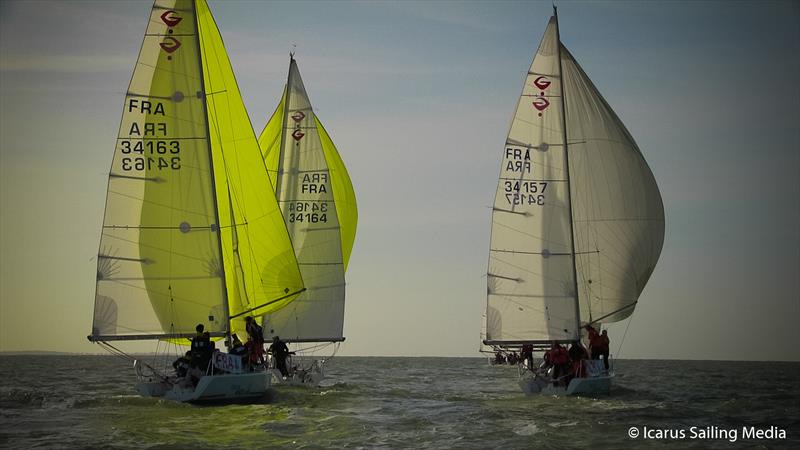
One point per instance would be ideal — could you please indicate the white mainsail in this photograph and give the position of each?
(577, 222)
(304, 185)
(191, 232)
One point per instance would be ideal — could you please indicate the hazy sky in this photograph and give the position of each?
(418, 97)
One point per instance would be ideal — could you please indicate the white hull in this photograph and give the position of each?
(298, 378)
(597, 385)
(210, 388)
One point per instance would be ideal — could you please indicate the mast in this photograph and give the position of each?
(569, 181)
(279, 178)
(204, 100)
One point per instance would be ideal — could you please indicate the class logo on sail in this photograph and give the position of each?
(542, 82)
(540, 102)
(297, 135)
(170, 44)
(171, 18)
(298, 116)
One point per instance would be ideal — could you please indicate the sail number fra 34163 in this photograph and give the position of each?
(150, 151)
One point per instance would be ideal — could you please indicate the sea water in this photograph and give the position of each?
(417, 403)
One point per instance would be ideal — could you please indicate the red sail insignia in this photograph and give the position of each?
(170, 44)
(171, 18)
(541, 103)
(541, 82)
(298, 116)
(297, 135)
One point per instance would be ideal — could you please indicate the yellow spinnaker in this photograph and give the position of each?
(343, 193)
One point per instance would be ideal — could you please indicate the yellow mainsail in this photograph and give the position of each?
(192, 232)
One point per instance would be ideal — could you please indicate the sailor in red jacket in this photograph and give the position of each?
(598, 344)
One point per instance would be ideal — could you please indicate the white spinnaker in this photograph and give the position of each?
(530, 282)
(617, 209)
(305, 194)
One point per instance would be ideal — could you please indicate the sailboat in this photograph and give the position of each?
(318, 203)
(577, 221)
(191, 233)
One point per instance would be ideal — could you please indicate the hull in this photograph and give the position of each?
(599, 385)
(298, 378)
(211, 388)
(310, 377)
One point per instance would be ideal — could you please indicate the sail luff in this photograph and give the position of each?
(270, 141)
(567, 176)
(284, 121)
(225, 305)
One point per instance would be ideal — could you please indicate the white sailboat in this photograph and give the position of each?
(318, 203)
(577, 222)
(191, 232)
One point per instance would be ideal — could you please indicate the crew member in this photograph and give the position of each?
(182, 365)
(200, 348)
(279, 351)
(560, 360)
(527, 355)
(594, 342)
(602, 348)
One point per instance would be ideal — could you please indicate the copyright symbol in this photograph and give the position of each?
(633, 432)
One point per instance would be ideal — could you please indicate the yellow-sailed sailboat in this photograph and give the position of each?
(318, 202)
(192, 232)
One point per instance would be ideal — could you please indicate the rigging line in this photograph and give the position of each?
(539, 180)
(267, 303)
(151, 202)
(151, 247)
(526, 270)
(134, 286)
(162, 138)
(622, 341)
